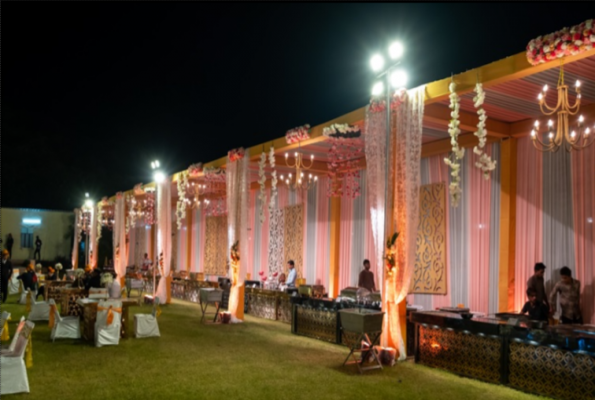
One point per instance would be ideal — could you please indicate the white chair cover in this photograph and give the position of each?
(40, 311)
(3, 318)
(14, 283)
(108, 334)
(24, 294)
(145, 325)
(65, 327)
(98, 293)
(13, 343)
(14, 372)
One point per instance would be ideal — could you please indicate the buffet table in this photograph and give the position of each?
(189, 290)
(269, 304)
(510, 351)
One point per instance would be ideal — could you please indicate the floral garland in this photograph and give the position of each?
(149, 209)
(379, 105)
(273, 179)
(181, 205)
(343, 167)
(99, 210)
(261, 181)
(457, 153)
(298, 134)
(485, 163)
(195, 169)
(391, 251)
(565, 42)
(107, 278)
(132, 213)
(236, 154)
(214, 174)
(342, 131)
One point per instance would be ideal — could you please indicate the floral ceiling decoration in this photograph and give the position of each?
(133, 212)
(236, 154)
(272, 201)
(485, 162)
(344, 160)
(215, 188)
(261, 182)
(454, 161)
(182, 203)
(379, 105)
(195, 169)
(298, 134)
(565, 42)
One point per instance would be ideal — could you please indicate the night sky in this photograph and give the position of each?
(92, 92)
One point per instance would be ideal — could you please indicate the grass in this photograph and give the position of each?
(258, 359)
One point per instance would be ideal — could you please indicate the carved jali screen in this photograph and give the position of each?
(216, 246)
(430, 272)
(286, 238)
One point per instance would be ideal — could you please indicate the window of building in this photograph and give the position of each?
(26, 238)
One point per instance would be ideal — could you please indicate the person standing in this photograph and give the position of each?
(366, 278)
(6, 274)
(37, 253)
(292, 275)
(29, 279)
(536, 283)
(569, 291)
(536, 309)
(9, 243)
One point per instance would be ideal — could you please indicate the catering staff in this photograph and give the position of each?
(536, 284)
(570, 297)
(537, 310)
(292, 275)
(366, 278)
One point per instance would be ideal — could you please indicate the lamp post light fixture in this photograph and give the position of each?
(389, 75)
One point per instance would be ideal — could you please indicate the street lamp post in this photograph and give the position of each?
(396, 78)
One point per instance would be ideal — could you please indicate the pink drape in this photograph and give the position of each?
(201, 244)
(252, 215)
(479, 236)
(583, 199)
(370, 249)
(346, 235)
(164, 242)
(264, 241)
(322, 235)
(529, 220)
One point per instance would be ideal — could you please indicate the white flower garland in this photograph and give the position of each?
(181, 205)
(107, 278)
(131, 217)
(99, 219)
(457, 153)
(273, 179)
(261, 181)
(485, 163)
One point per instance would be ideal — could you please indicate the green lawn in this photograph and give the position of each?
(258, 359)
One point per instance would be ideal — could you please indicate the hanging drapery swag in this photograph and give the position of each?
(405, 173)
(237, 227)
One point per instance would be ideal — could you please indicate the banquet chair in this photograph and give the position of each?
(24, 294)
(40, 311)
(64, 327)
(12, 344)
(4, 318)
(108, 323)
(12, 364)
(145, 325)
(98, 293)
(14, 283)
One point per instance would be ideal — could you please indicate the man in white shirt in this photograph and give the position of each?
(292, 275)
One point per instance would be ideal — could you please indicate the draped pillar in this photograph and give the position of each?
(164, 225)
(77, 232)
(120, 256)
(93, 243)
(237, 225)
(406, 211)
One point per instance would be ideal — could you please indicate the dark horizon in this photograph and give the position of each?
(94, 91)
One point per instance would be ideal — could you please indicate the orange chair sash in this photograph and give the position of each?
(110, 312)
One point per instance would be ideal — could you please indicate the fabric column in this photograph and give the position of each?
(164, 230)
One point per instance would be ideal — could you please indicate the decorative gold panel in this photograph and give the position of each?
(317, 324)
(263, 305)
(294, 238)
(552, 372)
(465, 354)
(284, 309)
(276, 241)
(430, 265)
(216, 246)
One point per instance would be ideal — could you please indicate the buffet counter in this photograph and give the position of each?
(509, 350)
(270, 304)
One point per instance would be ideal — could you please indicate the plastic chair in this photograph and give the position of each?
(14, 371)
(64, 327)
(145, 325)
(108, 323)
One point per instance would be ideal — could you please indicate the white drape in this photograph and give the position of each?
(375, 148)
(75, 240)
(237, 221)
(93, 243)
(119, 236)
(164, 220)
(407, 159)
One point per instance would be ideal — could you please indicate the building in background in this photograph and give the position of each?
(54, 228)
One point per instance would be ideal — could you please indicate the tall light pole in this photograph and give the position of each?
(388, 76)
(159, 177)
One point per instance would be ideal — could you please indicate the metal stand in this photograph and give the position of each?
(203, 309)
(357, 347)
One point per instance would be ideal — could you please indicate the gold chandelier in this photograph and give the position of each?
(576, 139)
(302, 181)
